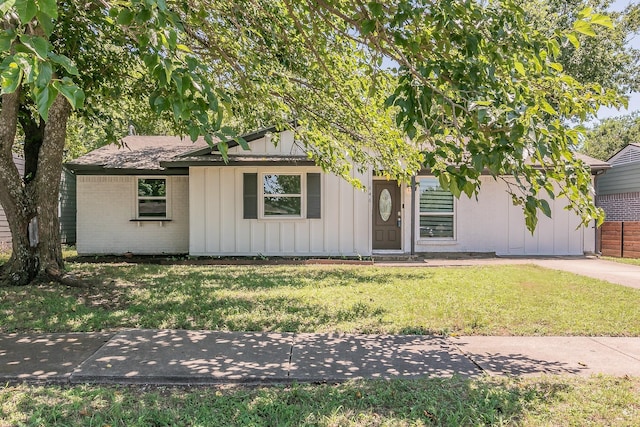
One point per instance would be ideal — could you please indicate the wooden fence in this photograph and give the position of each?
(620, 239)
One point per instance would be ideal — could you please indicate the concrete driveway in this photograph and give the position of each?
(611, 271)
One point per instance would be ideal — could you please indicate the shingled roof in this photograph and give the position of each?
(136, 153)
(173, 155)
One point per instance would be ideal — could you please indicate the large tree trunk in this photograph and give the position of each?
(31, 205)
(19, 210)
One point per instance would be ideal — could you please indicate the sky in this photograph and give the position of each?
(634, 98)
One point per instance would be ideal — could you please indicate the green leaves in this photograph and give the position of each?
(65, 62)
(49, 8)
(33, 63)
(11, 76)
(477, 88)
(6, 5)
(586, 20)
(44, 98)
(36, 44)
(26, 9)
(6, 39)
(584, 27)
(72, 92)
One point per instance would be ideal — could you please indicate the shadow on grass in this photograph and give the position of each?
(253, 277)
(49, 308)
(257, 313)
(452, 401)
(150, 296)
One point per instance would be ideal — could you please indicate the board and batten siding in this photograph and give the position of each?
(216, 211)
(106, 206)
(218, 226)
(5, 232)
(493, 224)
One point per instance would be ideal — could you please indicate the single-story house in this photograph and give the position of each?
(165, 195)
(619, 189)
(66, 208)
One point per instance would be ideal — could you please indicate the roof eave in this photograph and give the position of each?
(259, 161)
(101, 170)
(248, 137)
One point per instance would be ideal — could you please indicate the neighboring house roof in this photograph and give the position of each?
(628, 154)
(593, 163)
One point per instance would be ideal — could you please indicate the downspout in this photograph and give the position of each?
(413, 215)
(595, 227)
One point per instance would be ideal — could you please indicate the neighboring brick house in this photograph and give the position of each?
(618, 190)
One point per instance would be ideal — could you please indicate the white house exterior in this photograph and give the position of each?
(163, 195)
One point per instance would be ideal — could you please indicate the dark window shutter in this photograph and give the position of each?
(250, 195)
(313, 195)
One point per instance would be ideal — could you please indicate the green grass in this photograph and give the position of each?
(566, 401)
(632, 261)
(492, 300)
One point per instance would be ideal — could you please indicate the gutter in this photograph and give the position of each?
(596, 174)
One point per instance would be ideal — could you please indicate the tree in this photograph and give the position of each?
(475, 88)
(602, 57)
(612, 135)
(72, 54)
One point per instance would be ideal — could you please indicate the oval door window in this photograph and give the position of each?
(384, 205)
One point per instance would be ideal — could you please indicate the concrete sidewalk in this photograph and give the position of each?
(207, 357)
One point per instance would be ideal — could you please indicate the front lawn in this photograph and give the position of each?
(552, 401)
(495, 300)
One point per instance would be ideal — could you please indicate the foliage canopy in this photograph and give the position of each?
(612, 135)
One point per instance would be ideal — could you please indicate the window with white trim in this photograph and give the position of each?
(437, 210)
(152, 198)
(282, 195)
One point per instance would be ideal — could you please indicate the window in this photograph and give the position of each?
(436, 210)
(152, 198)
(282, 195)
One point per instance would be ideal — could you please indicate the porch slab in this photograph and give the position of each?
(336, 357)
(47, 357)
(188, 357)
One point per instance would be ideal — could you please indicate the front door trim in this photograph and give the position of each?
(386, 214)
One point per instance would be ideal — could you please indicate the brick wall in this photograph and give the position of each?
(105, 209)
(620, 239)
(620, 207)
